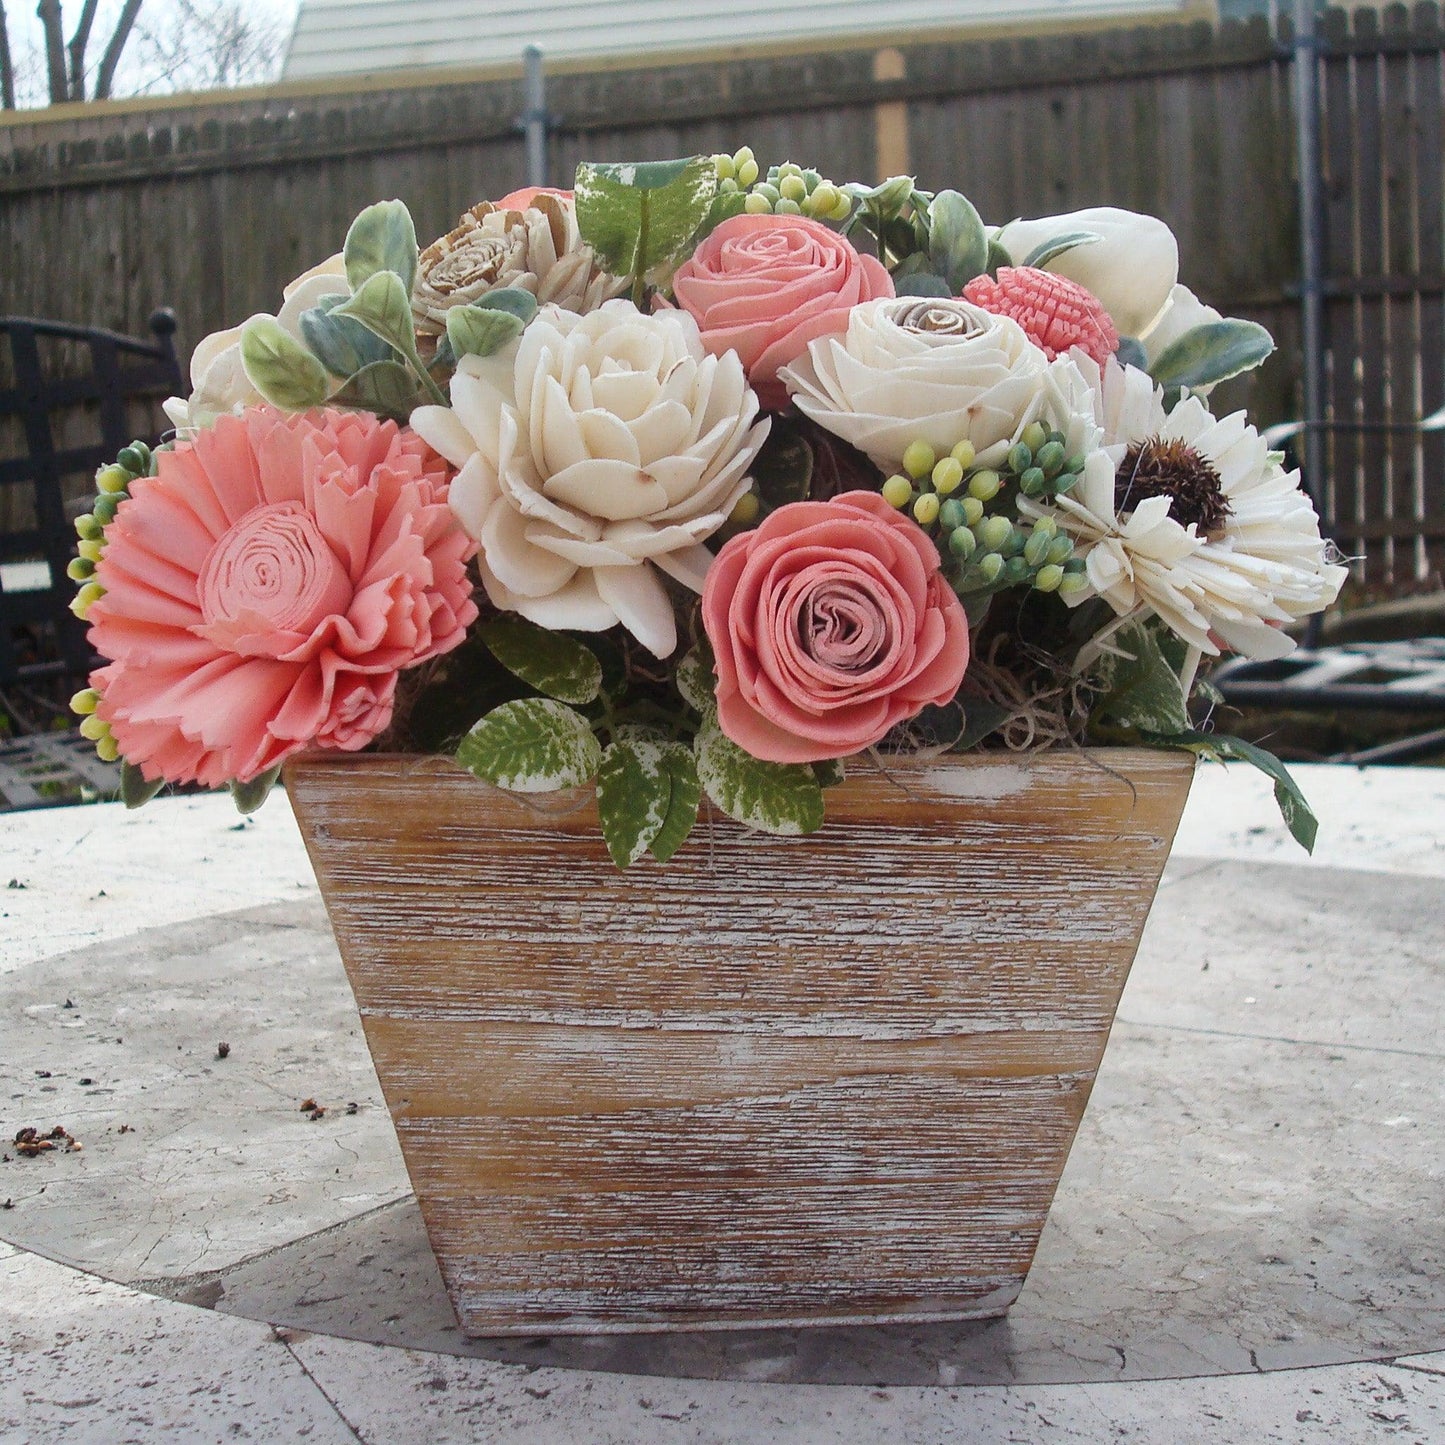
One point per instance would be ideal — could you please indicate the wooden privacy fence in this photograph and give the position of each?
(210, 205)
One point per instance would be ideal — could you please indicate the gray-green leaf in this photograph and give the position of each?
(135, 790)
(384, 387)
(479, 331)
(382, 304)
(637, 217)
(533, 745)
(341, 345)
(921, 283)
(281, 368)
(1211, 353)
(634, 788)
(1045, 251)
(515, 300)
(696, 682)
(381, 238)
(957, 241)
(249, 796)
(682, 804)
(551, 662)
(783, 798)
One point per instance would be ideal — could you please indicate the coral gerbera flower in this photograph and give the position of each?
(265, 588)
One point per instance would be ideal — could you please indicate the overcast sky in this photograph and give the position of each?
(166, 51)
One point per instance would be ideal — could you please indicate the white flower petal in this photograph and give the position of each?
(642, 605)
(517, 562)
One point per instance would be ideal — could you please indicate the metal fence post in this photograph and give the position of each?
(534, 117)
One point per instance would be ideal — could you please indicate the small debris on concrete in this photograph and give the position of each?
(68, 1004)
(30, 1143)
(124, 1129)
(312, 1109)
(42, 1073)
(87, 1081)
(9, 1204)
(353, 1107)
(15, 883)
(223, 1050)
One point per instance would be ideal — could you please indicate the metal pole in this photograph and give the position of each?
(1307, 163)
(534, 117)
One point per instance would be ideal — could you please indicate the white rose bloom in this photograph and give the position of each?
(1190, 517)
(593, 450)
(220, 384)
(1131, 270)
(943, 371)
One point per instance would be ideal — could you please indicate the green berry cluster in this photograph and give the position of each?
(969, 510)
(786, 190)
(112, 482)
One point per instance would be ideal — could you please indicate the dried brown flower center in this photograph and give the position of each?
(1159, 468)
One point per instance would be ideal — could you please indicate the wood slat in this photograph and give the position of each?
(785, 1080)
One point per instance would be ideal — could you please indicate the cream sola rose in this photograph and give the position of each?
(1191, 518)
(536, 247)
(220, 386)
(595, 452)
(937, 370)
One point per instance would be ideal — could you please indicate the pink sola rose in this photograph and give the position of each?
(765, 286)
(263, 591)
(830, 624)
(1056, 314)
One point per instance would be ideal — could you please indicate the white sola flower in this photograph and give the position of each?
(940, 370)
(1192, 517)
(592, 451)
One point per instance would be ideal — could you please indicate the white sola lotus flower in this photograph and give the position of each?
(1192, 518)
(939, 370)
(592, 451)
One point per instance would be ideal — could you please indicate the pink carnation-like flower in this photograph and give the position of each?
(519, 200)
(264, 590)
(1055, 313)
(765, 286)
(830, 624)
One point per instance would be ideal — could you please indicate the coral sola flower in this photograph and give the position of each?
(265, 588)
(1191, 518)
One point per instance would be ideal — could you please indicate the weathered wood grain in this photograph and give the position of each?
(780, 1080)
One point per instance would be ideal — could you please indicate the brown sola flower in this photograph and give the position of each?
(538, 249)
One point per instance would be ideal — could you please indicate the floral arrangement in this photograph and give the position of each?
(697, 481)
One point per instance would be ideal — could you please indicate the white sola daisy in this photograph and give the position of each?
(1193, 518)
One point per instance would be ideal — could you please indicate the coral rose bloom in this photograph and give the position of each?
(765, 286)
(830, 624)
(263, 591)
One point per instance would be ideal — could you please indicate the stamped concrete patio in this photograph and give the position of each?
(1248, 1245)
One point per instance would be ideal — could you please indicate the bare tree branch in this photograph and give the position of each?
(49, 13)
(78, 42)
(7, 66)
(111, 58)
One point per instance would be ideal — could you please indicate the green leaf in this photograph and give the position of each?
(696, 681)
(634, 788)
(682, 804)
(249, 796)
(385, 387)
(135, 790)
(1298, 816)
(783, 470)
(1045, 251)
(725, 205)
(281, 368)
(551, 662)
(534, 745)
(1212, 353)
(341, 345)
(782, 798)
(479, 331)
(997, 256)
(637, 217)
(382, 304)
(957, 240)
(980, 718)
(829, 772)
(921, 283)
(1140, 691)
(1132, 353)
(514, 300)
(381, 238)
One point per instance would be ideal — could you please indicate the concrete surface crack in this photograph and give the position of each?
(284, 1338)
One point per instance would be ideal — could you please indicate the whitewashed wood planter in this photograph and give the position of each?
(778, 1082)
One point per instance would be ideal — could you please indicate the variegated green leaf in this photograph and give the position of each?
(783, 798)
(682, 804)
(551, 662)
(696, 682)
(1211, 353)
(634, 788)
(533, 745)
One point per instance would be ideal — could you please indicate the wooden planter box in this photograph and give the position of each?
(777, 1082)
